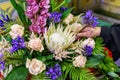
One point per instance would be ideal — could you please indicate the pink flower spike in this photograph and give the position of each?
(44, 3)
(31, 2)
(32, 10)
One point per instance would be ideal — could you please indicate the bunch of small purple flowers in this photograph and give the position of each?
(37, 12)
(88, 50)
(54, 72)
(4, 19)
(55, 17)
(17, 43)
(90, 19)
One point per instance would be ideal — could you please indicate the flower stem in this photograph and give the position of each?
(59, 6)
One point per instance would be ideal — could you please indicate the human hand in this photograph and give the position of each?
(90, 32)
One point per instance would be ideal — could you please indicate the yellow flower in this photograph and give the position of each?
(59, 38)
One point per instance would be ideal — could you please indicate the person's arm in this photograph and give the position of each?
(111, 37)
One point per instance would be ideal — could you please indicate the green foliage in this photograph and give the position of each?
(98, 46)
(14, 58)
(18, 73)
(66, 13)
(108, 67)
(95, 60)
(40, 76)
(56, 7)
(21, 12)
(76, 73)
(53, 3)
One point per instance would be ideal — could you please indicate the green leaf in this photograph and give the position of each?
(14, 58)
(112, 74)
(67, 1)
(66, 13)
(75, 73)
(95, 60)
(98, 46)
(20, 12)
(18, 73)
(49, 57)
(40, 76)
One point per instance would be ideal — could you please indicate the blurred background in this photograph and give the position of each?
(107, 10)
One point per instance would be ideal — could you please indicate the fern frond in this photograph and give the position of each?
(77, 73)
(14, 58)
(98, 46)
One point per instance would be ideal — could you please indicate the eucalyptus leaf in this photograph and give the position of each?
(18, 73)
(95, 60)
(112, 74)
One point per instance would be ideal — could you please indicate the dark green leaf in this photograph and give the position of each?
(20, 12)
(49, 57)
(95, 60)
(18, 73)
(66, 13)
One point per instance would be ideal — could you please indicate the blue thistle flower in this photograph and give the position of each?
(55, 17)
(90, 19)
(5, 18)
(88, 50)
(62, 9)
(54, 72)
(17, 43)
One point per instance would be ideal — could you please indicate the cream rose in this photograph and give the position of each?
(35, 66)
(79, 61)
(68, 19)
(16, 30)
(88, 42)
(75, 27)
(36, 44)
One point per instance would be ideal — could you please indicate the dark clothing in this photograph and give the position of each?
(111, 37)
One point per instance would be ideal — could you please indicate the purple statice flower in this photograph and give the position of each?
(2, 65)
(88, 50)
(1, 23)
(17, 43)
(5, 18)
(55, 17)
(62, 9)
(54, 72)
(31, 2)
(31, 11)
(90, 19)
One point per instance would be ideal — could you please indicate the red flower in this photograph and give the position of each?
(108, 51)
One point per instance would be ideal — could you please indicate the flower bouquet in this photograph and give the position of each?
(42, 44)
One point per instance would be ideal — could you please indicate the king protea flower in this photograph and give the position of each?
(59, 38)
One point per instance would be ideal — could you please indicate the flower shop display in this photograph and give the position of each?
(42, 44)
